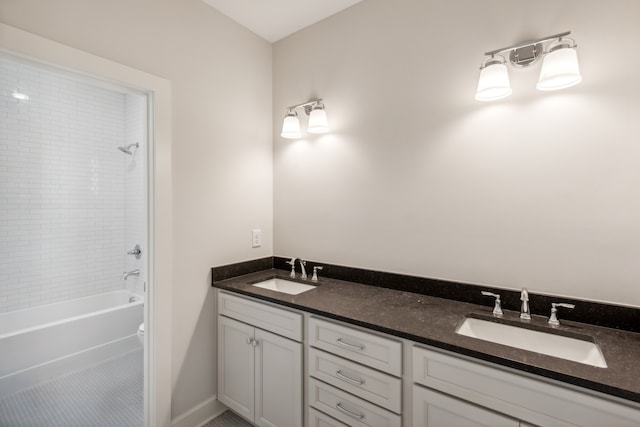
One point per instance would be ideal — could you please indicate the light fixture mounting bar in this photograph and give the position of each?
(307, 104)
(528, 43)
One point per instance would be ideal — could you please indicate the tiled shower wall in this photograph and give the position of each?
(62, 186)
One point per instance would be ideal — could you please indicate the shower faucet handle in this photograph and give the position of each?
(137, 252)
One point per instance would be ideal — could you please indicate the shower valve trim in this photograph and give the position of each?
(137, 252)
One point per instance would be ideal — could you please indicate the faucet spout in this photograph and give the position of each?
(304, 270)
(126, 274)
(524, 311)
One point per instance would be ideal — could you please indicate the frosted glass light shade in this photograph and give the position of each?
(291, 126)
(318, 121)
(493, 82)
(559, 69)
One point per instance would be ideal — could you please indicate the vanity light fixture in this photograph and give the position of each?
(291, 125)
(317, 119)
(559, 66)
(494, 79)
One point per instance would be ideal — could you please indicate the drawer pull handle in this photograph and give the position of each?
(346, 378)
(348, 412)
(348, 345)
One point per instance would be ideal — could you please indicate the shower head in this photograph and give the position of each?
(127, 149)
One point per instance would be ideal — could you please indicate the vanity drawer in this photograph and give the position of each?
(363, 347)
(347, 408)
(435, 409)
(318, 419)
(277, 320)
(516, 394)
(376, 387)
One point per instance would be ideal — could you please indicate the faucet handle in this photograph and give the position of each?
(553, 318)
(497, 309)
(292, 263)
(136, 251)
(314, 277)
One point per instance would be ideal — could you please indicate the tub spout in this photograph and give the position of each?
(126, 274)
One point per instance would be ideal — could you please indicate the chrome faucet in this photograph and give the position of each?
(126, 274)
(292, 263)
(303, 276)
(524, 311)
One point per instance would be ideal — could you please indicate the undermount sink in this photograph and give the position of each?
(551, 344)
(284, 286)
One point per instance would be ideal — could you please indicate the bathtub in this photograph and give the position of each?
(42, 342)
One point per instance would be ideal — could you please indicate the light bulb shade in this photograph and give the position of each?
(493, 82)
(559, 68)
(318, 120)
(291, 126)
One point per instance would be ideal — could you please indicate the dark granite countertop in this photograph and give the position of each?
(433, 321)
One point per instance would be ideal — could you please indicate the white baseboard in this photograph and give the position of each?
(199, 414)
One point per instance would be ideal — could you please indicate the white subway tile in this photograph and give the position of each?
(65, 207)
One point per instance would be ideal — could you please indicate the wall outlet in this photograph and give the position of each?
(256, 240)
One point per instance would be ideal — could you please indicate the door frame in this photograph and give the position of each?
(158, 308)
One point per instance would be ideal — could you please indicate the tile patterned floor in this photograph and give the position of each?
(228, 419)
(109, 394)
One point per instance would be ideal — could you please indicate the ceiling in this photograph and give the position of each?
(275, 19)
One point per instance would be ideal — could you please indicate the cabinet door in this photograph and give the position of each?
(278, 381)
(434, 409)
(236, 363)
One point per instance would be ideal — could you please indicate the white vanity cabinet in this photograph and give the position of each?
(448, 386)
(358, 377)
(260, 361)
(354, 376)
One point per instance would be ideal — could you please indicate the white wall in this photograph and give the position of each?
(62, 186)
(539, 190)
(222, 187)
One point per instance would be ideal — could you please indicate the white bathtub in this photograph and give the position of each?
(42, 342)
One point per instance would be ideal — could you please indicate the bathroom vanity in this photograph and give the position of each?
(346, 354)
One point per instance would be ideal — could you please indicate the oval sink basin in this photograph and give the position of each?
(284, 286)
(563, 347)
